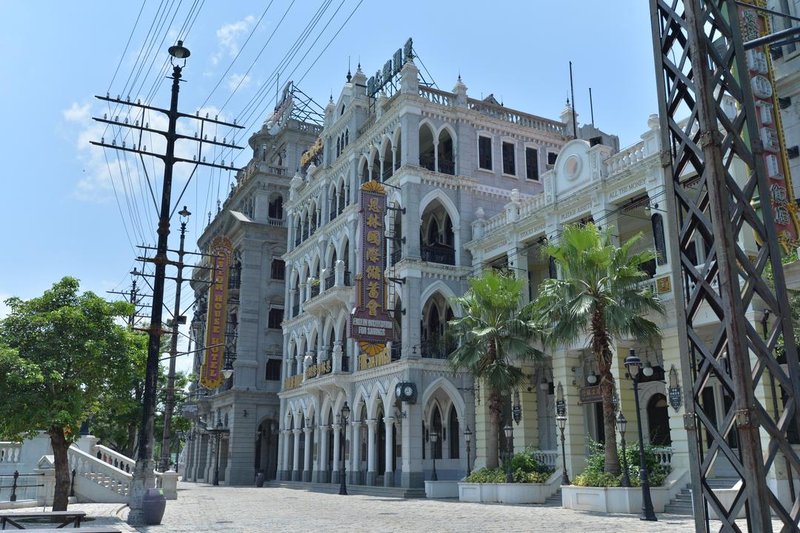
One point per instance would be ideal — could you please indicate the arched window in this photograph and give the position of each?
(276, 208)
(454, 433)
(446, 160)
(658, 421)
(426, 149)
(436, 425)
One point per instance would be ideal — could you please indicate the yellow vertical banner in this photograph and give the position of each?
(221, 250)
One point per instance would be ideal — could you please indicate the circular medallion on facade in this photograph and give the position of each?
(572, 167)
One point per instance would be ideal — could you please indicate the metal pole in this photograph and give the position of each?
(564, 477)
(169, 404)
(626, 476)
(143, 470)
(218, 441)
(434, 477)
(14, 486)
(342, 473)
(469, 470)
(647, 503)
(72, 485)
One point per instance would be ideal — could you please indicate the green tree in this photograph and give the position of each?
(493, 336)
(60, 354)
(598, 294)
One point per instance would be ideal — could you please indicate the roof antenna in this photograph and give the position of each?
(572, 92)
(591, 105)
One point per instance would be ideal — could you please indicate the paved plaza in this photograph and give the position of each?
(244, 509)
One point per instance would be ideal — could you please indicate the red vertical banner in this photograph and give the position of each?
(221, 250)
(755, 24)
(370, 323)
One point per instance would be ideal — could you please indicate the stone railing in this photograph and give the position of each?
(516, 117)
(100, 472)
(10, 452)
(435, 96)
(625, 158)
(663, 456)
(115, 459)
(547, 457)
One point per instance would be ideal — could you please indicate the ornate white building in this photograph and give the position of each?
(253, 219)
(446, 161)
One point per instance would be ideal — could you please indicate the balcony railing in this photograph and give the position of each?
(436, 349)
(315, 290)
(397, 349)
(295, 310)
(427, 161)
(347, 278)
(396, 256)
(439, 254)
(330, 279)
(447, 167)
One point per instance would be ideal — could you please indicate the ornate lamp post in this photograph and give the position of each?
(216, 433)
(345, 416)
(562, 423)
(509, 431)
(467, 439)
(434, 440)
(622, 424)
(633, 364)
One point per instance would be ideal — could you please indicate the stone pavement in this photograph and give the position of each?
(201, 507)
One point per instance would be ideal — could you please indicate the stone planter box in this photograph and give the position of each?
(504, 492)
(612, 499)
(441, 489)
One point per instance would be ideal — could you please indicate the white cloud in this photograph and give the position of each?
(238, 81)
(228, 35)
(77, 112)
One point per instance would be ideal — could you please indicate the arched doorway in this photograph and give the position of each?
(267, 449)
(658, 420)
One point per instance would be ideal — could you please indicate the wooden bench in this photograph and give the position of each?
(90, 529)
(65, 518)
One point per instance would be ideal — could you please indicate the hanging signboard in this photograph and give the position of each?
(221, 250)
(762, 83)
(370, 323)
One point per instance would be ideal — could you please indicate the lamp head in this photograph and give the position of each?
(508, 430)
(467, 435)
(345, 412)
(633, 363)
(561, 421)
(184, 214)
(622, 423)
(179, 51)
(434, 437)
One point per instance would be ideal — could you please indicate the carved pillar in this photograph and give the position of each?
(337, 451)
(372, 474)
(296, 457)
(286, 435)
(309, 447)
(355, 454)
(388, 476)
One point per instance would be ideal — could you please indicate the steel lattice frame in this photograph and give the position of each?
(698, 50)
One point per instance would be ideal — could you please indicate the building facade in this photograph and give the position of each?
(236, 430)
(444, 161)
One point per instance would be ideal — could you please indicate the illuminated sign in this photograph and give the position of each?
(217, 317)
(759, 66)
(370, 323)
(390, 68)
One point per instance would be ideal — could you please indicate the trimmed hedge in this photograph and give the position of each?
(594, 476)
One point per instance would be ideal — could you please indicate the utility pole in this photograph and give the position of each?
(705, 53)
(133, 299)
(177, 320)
(143, 477)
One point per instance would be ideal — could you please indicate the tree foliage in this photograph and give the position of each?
(61, 358)
(599, 295)
(494, 336)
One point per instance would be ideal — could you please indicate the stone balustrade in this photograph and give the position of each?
(10, 452)
(547, 457)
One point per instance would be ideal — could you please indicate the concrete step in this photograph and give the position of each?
(722, 482)
(366, 490)
(554, 500)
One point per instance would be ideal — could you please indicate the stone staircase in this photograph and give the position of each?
(554, 500)
(365, 490)
(682, 504)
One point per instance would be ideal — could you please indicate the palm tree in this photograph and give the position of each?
(599, 295)
(492, 336)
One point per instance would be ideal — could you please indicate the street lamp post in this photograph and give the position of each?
(216, 433)
(345, 416)
(622, 424)
(143, 470)
(434, 440)
(562, 423)
(633, 364)
(468, 438)
(509, 431)
(169, 404)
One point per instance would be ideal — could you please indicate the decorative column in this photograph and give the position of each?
(388, 476)
(337, 356)
(355, 454)
(372, 474)
(320, 473)
(296, 455)
(284, 471)
(309, 447)
(337, 458)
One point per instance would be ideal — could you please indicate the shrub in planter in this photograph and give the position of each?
(524, 467)
(594, 476)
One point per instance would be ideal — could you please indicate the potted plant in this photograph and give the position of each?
(531, 482)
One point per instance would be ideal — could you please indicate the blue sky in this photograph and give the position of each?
(59, 212)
